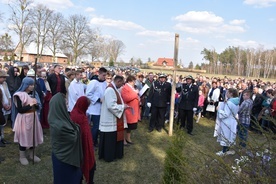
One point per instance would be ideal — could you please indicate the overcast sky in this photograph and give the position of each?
(148, 27)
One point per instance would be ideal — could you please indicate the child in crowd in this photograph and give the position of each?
(201, 99)
(244, 117)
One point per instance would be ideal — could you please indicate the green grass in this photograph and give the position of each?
(143, 162)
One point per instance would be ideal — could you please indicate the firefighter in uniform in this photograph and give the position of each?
(188, 103)
(158, 100)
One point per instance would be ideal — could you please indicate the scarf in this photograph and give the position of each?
(65, 134)
(120, 121)
(78, 115)
(26, 82)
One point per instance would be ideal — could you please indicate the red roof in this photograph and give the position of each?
(164, 62)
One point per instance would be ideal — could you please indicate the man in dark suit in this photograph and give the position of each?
(188, 103)
(256, 108)
(158, 99)
(57, 81)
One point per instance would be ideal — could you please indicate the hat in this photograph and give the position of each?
(3, 73)
(162, 75)
(189, 77)
(31, 73)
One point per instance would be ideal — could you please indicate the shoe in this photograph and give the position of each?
(33, 157)
(197, 121)
(130, 142)
(5, 142)
(150, 130)
(167, 121)
(220, 153)
(2, 144)
(190, 133)
(126, 144)
(22, 158)
(159, 130)
(232, 152)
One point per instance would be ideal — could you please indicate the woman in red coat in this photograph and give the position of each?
(131, 98)
(78, 116)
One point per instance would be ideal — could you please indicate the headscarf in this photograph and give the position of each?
(26, 82)
(13, 82)
(78, 115)
(65, 134)
(22, 75)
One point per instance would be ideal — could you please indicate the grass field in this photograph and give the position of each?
(143, 162)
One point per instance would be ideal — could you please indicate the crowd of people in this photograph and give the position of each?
(90, 109)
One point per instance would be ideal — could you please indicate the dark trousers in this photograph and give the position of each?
(186, 116)
(243, 133)
(146, 110)
(95, 128)
(65, 173)
(157, 118)
(204, 107)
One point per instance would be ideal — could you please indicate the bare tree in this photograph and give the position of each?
(238, 58)
(77, 35)
(55, 33)
(96, 45)
(116, 48)
(269, 62)
(20, 20)
(41, 26)
(6, 42)
(105, 54)
(250, 57)
(258, 62)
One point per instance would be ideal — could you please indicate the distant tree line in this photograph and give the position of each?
(72, 35)
(250, 62)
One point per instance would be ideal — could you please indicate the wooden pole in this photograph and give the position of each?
(35, 68)
(175, 60)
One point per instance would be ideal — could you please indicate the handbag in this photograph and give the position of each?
(210, 108)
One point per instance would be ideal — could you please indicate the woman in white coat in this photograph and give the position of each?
(226, 122)
(213, 98)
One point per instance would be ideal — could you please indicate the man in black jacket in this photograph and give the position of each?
(158, 99)
(256, 108)
(57, 81)
(188, 103)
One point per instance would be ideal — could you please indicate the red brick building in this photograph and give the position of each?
(164, 62)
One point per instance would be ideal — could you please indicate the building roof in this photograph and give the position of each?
(32, 49)
(164, 62)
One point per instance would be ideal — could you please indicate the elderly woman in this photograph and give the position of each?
(226, 122)
(131, 98)
(66, 143)
(26, 120)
